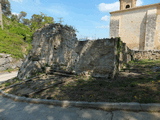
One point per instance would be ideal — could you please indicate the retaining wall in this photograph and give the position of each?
(151, 54)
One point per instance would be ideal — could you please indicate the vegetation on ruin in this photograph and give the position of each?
(139, 82)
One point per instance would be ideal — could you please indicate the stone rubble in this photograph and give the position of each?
(7, 62)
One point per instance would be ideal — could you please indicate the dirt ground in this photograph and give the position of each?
(138, 82)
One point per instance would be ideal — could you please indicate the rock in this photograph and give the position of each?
(2, 61)
(47, 69)
(2, 68)
(18, 63)
(3, 55)
(7, 62)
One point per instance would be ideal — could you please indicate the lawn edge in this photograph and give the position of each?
(107, 106)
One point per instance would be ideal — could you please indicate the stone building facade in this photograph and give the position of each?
(138, 27)
(124, 4)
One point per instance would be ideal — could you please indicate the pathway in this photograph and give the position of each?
(6, 76)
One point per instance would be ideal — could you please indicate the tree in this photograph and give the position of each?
(38, 21)
(26, 22)
(48, 20)
(21, 15)
(6, 9)
(14, 17)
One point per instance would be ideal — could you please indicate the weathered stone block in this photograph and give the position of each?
(2, 61)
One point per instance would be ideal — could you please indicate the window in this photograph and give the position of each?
(127, 6)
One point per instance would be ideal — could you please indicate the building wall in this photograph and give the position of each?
(150, 29)
(124, 3)
(157, 36)
(138, 27)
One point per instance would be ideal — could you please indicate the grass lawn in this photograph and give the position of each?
(139, 82)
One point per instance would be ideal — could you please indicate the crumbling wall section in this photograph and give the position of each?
(53, 46)
(97, 57)
(57, 47)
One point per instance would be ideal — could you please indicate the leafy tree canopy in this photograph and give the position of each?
(6, 9)
(38, 21)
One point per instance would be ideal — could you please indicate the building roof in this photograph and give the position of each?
(135, 8)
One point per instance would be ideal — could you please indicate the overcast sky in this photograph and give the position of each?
(89, 17)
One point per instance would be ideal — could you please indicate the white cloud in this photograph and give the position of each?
(14, 13)
(103, 26)
(103, 7)
(139, 2)
(37, 2)
(17, 0)
(105, 18)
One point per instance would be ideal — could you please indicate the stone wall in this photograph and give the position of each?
(157, 37)
(124, 54)
(141, 55)
(97, 57)
(7, 62)
(56, 46)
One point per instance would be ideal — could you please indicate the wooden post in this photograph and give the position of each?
(1, 19)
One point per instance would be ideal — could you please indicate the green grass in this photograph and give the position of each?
(15, 38)
(10, 82)
(144, 88)
(7, 84)
(11, 44)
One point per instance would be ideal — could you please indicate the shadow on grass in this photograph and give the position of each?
(140, 84)
(101, 90)
(133, 86)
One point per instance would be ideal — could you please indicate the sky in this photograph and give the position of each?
(91, 18)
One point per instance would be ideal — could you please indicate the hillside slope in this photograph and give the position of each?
(15, 38)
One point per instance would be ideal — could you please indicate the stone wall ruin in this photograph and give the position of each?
(56, 46)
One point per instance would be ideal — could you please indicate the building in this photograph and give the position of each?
(138, 27)
(1, 22)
